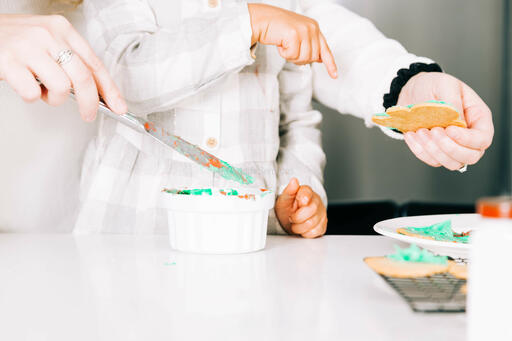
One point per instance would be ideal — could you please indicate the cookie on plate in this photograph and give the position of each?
(440, 231)
(411, 262)
(422, 115)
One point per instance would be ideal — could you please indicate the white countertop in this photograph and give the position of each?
(108, 287)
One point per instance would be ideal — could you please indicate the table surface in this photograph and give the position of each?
(112, 287)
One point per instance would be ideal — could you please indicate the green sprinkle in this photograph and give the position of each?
(199, 191)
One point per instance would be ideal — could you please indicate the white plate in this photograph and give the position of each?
(460, 223)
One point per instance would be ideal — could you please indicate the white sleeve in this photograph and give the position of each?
(367, 62)
(300, 151)
(156, 63)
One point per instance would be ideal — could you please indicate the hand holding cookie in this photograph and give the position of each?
(301, 211)
(451, 147)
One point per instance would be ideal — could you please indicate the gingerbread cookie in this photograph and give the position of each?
(411, 262)
(398, 269)
(459, 271)
(417, 116)
(464, 289)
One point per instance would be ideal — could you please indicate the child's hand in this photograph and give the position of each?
(301, 211)
(297, 37)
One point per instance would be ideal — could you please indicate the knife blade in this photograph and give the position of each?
(189, 150)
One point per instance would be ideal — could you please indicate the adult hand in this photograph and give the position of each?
(452, 147)
(297, 37)
(29, 48)
(301, 211)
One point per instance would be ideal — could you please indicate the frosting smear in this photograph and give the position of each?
(441, 231)
(414, 254)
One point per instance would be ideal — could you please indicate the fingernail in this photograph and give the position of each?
(305, 200)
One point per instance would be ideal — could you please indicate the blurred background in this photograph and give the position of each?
(466, 37)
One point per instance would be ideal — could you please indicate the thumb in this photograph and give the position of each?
(451, 93)
(287, 198)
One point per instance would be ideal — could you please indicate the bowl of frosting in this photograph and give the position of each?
(218, 220)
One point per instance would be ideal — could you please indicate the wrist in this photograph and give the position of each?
(402, 77)
(256, 20)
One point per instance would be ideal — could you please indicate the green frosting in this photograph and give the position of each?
(208, 191)
(431, 101)
(441, 231)
(199, 191)
(414, 254)
(231, 173)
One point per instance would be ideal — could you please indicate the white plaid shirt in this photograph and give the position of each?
(187, 66)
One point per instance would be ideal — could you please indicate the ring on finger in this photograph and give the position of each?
(64, 57)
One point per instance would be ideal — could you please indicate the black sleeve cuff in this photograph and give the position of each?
(402, 77)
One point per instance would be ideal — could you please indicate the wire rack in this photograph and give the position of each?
(436, 293)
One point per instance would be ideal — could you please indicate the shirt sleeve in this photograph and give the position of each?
(159, 61)
(300, 152)
(367, 62)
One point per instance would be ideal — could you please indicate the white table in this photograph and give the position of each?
(62, 287)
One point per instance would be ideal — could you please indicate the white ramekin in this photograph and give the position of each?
(218, 224)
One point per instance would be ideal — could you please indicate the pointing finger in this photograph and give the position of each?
(328, 58)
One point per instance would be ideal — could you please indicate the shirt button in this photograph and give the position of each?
(212, 142)
(213, 3)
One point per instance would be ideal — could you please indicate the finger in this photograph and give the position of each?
(315, 50)
(306, 212)
(21, 79)
(433, 149)
(54, 79)
(290, 50)
(304, 195)
(452, 149)
(479, 119)
(305, 53)
(411, 139)
(287, 197)
(470, 138)
(105, 85)
(86, 92)
(308, 225)
(317, 231)
(327, 58)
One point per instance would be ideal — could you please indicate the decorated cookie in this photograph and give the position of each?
(412, 262)
(459, 271)
(417, 116)
(440, 231)
(464, 289)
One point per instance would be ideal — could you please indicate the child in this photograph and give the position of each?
(192, 67)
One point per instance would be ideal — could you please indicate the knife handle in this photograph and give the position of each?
(128, 119)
